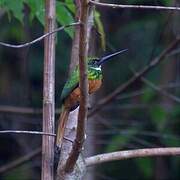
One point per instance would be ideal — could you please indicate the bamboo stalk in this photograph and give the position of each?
(48, 93)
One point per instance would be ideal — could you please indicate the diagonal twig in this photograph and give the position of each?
(140, 92)
(19, 161)
(39, 38)
(26, 132)
(20, 110)
(38, 111)
(122, 6)
(160, 90)
(138, 75)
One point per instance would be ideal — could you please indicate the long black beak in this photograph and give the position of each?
(108, 57)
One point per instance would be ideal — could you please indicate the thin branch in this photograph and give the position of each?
(20, 110)
(83, 83)
(127, 132)
(138, 75)
(121, 155)
(19, 161)
(39, 38)
(160, 90)
(100, 158)
(140, 92)
(38, 111)
(75, 43)
(23, 110)
(142, 7)
(72, 119)
(71, 126)
(26, 132)
(47, 171)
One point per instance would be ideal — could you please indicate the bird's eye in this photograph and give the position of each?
(93, 61)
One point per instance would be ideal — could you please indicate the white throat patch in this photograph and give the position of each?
(96, 68)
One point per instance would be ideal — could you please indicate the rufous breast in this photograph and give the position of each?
(74, 98)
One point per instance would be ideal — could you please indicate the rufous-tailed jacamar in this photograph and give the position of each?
(70, 96)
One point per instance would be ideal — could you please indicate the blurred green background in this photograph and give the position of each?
(141, 117)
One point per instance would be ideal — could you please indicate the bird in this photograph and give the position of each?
(70, 96)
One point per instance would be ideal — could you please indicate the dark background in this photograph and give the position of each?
(141, 117)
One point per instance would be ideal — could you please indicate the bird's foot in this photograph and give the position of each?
(68, 139)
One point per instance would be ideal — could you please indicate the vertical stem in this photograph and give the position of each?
(48, 93)
(83, 83)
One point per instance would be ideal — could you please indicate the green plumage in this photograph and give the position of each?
(94, 72)
(71, 83)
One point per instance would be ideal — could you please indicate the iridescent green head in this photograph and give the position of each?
(93, 61)
(97, 62)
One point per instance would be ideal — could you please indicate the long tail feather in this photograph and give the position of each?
(61, 126)
(60, 134)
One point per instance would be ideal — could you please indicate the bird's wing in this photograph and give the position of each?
(71, 84)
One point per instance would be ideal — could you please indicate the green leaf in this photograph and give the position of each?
(120, 140)
(32, 6)
(167, 2)
(158, 115)
(100, 29)
(70, 5)
(2, 3)
(146, 166)
(172, 142)
(15, 6)
(148, 95)
(37, 10)
(170, 137)
(64, 17)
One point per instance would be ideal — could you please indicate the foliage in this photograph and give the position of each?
(64, 17)
(64, 13)
(100, 28)
(16, 7)
(119, 141)
(146, 167)
(140, 121)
